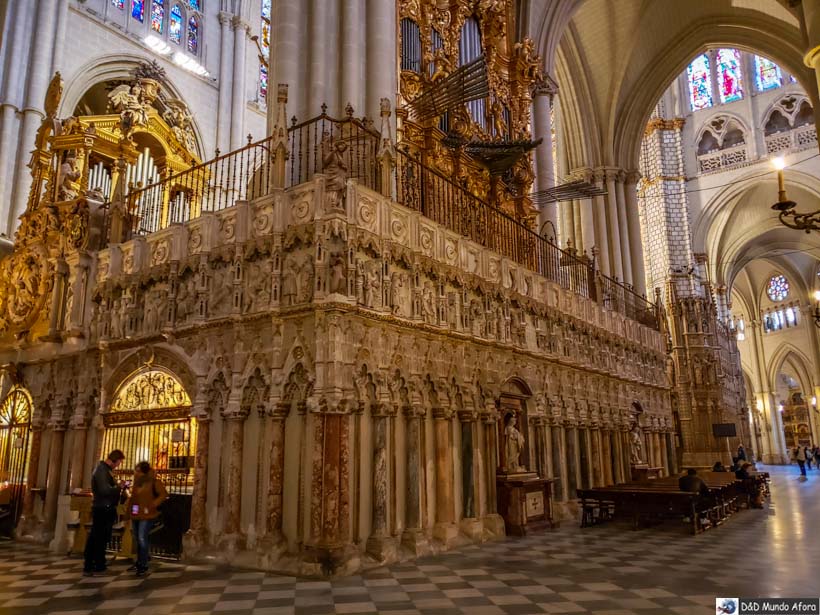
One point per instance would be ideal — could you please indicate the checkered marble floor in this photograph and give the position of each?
(606, 569)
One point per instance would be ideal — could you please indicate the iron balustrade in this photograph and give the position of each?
(247, 173)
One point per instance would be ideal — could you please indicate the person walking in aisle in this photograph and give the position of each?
(147, 495)
(106, 493)
(799, 456)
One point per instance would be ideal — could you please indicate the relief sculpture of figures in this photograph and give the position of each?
(513, 445)
(338, 275)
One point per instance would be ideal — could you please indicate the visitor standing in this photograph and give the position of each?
(799, 456)
(741, 453)
(147, 495)
(809, 456)
(106, 493)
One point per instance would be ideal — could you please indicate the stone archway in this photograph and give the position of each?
(16, 411)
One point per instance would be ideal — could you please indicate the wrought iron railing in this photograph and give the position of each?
(248, 173)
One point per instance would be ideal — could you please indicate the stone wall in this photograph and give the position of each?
(348, 368)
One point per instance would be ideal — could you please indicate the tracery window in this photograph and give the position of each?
(175, 25)
(767, 74)
(265, 45)
(730, 79)
(193, 35)
(150, 389)
(778, 288)
(195, 5)
(138, 9)
(157, 15)
(700, 83)
(120, 4)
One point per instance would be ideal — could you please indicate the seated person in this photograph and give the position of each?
(719, 467)
(743, 470)
(693, 483)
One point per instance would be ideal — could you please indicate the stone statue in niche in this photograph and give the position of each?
(258, 286)
(399, 297)
(338, 274)
(370, 283)
(289, 280)
(428, 309)
(115, 328)
(220, 290)
(636, 444)
(151, 320)
(513, 445)
(186, 298)
(304, 280)
(477, 318)
(335, 168)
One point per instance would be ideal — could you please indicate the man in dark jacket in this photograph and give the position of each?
(103, 512)
(692, 483)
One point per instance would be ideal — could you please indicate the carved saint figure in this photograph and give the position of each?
(398, 296)
(636, 444)
(289, 281)
(115, 327)
(338, 275)
(68, 175)
(304, 280)
(335, 168)
(428, 303)
(513, 444)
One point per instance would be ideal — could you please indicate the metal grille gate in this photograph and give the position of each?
(15, 419)
(168, 445)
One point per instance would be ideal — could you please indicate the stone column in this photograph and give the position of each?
(614, 232)
(382, 77)
(601, 231)
(329, 546)
(596, 470)
(656, 445)
(445, 529)
(413, 537)
(79, 431)
(571, 461)
(223, 123)
(493, 522)
(544, 167)
(352, 54)
(288, 61)
(198, 533)
(634, 232)
(239, 100)
(55, 465)
(380, 544)
(664, 455)
(470, 524)
(811, 23)
(670, 453)
(276, 482)
(617, 457)
(235, 435)
(623, 228)
(606, 461)
(36, 430)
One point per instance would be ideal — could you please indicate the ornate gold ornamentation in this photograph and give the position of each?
(150, 389)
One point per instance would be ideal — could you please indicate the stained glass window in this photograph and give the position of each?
(138, 9)
(157, 15)
(265, 44)
(778, 288)
(729, 77)
(175, 25)
(193, 35)
(120, 4)
(700, 83)
(195, 5)
(767, 74)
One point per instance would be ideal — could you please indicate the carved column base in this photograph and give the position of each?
(329, 561)
(272, 543)
(446, 533)
(774, 459)
(231, 543)
(193, 541)
(472, 528)
(494, 525)
(416, 541)
(383, 548)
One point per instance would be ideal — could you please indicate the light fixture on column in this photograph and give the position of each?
(816, 313)
(788, 216)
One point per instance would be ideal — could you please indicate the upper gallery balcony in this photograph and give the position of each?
(358, 163)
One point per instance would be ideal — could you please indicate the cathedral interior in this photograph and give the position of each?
(371, 283)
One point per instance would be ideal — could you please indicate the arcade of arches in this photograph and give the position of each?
(503, 250)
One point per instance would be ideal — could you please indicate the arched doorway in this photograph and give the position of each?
(149, 420)
(15, 421)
